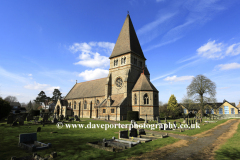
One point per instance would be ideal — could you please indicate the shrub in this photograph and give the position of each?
(132, 115)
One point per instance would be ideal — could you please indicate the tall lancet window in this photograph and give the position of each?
(124, 60)
(74, 104)
(135, 99)
(146, 99)
(85, 104)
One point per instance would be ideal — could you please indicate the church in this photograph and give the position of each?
(126, 88)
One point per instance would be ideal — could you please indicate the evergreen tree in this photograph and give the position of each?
(41, 98)
(56, 95)
(173, 107)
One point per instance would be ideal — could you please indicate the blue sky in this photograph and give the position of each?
(51, 44)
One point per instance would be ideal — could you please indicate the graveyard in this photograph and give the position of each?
(98, 143)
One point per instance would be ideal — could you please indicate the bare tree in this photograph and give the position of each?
(11, 99)
(203, 91)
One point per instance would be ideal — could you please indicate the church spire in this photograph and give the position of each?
(127, 41)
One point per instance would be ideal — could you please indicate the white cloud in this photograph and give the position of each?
(12, 76)
(29, 75)
(182, 78)
(92, 47)
(41, 87)
(94, 74)
(90, 56)
(211, 50)
(224, 87)
(228, 66)
(233, 50)
(96, 61)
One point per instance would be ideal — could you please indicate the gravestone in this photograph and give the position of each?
(55, 120)
(158, 120)
(142, 132)
(45, 117)
(146, 119)
(61, 117)
(76, 118)
(67, 118)
(175, 123)
(123, 134)
(21, 121)
(10, 120)
(133, 132)
(39, 129)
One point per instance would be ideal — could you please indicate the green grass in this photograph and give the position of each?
(71, 143)
(195, 131)
(231, 149)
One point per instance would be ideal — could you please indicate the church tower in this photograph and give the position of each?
(126, 62)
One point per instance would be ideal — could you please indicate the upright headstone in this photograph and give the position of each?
(10, 120)
(158, 120)
(21, 121)
(142, 132)
(77, 119)
(61, 117)
(55, 120)
(123, 134)
(133, 132)
(175, 123)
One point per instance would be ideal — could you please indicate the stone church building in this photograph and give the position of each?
(127, 87)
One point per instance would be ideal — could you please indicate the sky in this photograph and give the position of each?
(50, 44)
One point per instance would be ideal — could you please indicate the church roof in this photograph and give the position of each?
(144, 84)
(127, 41)
(116, 99)
(92, 88)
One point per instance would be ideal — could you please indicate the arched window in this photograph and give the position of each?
(70, 104)
(124, 60)
(116, 62)
(85, 104)
(74, 104)
(135, 99)
(146, 99)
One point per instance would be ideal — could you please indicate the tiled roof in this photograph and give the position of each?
(144, 84)
(117, 99)
(127, 41)
(92, 88)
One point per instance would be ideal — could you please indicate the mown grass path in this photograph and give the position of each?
(190, 148)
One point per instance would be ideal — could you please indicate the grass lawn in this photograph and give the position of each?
(231, 149)
(71, 143)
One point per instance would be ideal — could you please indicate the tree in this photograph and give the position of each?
(29, 106)
(56, 95)
(5, 108)
(173, 106)
(11, 99)
(41, 97)
(163, 111)
(203, 91)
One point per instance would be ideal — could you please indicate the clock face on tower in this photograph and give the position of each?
(119, 82)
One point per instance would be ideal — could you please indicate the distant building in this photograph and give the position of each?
(219, 108)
